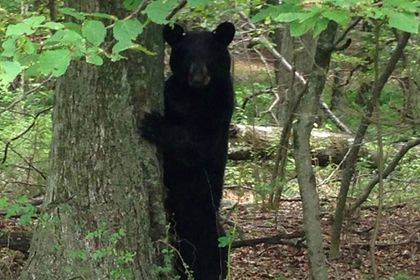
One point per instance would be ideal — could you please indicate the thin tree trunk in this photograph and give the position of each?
(378, 219)
(104, 198)
(291, 93)
(350, 162)
(301, 133)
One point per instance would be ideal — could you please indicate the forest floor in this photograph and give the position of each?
(397, 252)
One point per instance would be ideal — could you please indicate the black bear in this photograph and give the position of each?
(193, 135)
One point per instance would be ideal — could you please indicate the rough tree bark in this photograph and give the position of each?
(306, 115)
(350, 162)
(103, 178)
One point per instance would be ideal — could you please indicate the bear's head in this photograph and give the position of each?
(199, 58)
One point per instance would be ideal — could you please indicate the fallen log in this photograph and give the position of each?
(281, 238)
(19, 241)
(247, 141)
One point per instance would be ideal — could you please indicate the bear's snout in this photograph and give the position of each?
(198, 75)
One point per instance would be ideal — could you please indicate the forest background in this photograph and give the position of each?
(323, 174)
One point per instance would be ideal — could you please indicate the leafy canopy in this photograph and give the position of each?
(315, 15)
(39, 47)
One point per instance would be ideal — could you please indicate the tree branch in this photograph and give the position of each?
(26, 94)
(388, 170)
(345, 32)
(282, 238)
(266, 43)
(350, 162)
(179, 7)
(22, 133)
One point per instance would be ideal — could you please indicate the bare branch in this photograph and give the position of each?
(22, 133)
(24, 95)
(266, 43)
(348, 29)
(282, 238)
(179, 7)
(388, 170)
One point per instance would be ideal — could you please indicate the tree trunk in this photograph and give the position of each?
(301, 55)
(105, 197)
(307, 113)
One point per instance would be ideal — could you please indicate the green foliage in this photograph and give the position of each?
(30, 150)
(159, 9)
(121, 258)
(125, 32)
(94, 31)
(127, 29)
(21, 207)
(226, 241)
(402, 14)
(253, 113)
(198, 3)
(303, 17)
(22, 51)
(168, 255)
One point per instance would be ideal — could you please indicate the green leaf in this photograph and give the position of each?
(374, 13)
(270, 11)
(54, 62)
(404, 21)
(127, 30)
(4, 202)
(197, 3)
(406, 5)
(289, 17)
(23, 199)
(341, 17)
(158, 10)
(9, 71)
(119, 47)
(94, 59)
(34, 22)
(94, 31)
(28, 211)
(299, 28)
(73, 27)
(19, 29)
(72, 12)
(27, 60)
(29, 47)
(66, 37)
(320, 26)
(12, 210)
(224, 241)
(9, 48)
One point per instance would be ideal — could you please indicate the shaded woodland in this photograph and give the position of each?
(323, 172)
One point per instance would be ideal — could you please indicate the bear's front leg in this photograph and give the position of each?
(151, 126)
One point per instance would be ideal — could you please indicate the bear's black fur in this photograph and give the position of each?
(193, 135)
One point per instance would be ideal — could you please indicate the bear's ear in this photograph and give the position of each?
(224, 33)
(172, 34)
